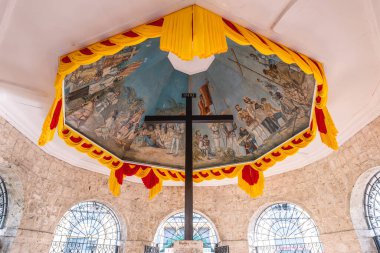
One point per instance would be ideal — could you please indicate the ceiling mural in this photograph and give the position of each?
(104, 91)
(270, 100)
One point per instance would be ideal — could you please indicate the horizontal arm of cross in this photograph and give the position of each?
(193, 118)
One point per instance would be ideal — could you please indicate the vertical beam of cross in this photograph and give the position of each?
(189, 119)
(189, 168)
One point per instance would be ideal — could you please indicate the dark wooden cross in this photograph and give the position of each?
(189, 119)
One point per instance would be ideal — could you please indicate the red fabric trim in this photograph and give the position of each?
(258, 164)
(287, 147)
(57, 112)
(182, 175)
(65, 131)
(150, 180)
(229, 170)
(203, 174)
(86, 51)
(158, 22)
(86, 145)
(229, 23)
(318, 99)
(119, 175)
(128, 171)
(107, 43)
(311, 124)
(162, 173)
(276, 153)
(131, 34)
(172, 174)
(75, 139)
(107, 158)
(115, 163)
(319, 115)
(97, 152)
(195, 176)
(307, 135)
(66, 59)
(319, 87)
(250, 175)
(217, 173)
(297, 141)
(267, 160)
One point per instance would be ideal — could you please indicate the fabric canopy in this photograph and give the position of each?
(189, 32)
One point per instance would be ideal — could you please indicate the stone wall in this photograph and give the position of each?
(51, 187)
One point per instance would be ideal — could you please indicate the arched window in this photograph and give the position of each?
(3, 203)
(88, 227)
(173, 229)
(372, 205)
(284, 227)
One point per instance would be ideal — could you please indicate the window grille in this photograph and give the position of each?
(173, 229)
(372, 203)
(3, 203)
(284, 228)
(88, 227)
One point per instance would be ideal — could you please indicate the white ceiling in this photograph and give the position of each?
(343, 34)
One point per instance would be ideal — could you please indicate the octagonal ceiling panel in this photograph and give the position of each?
(106, 101)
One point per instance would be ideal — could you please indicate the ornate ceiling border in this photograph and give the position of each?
(189, 32)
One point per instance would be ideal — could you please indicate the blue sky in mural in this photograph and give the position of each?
(156, 81)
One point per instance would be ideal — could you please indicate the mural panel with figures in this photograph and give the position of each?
(106, 101)
(270, 100)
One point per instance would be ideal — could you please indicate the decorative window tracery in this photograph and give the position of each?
(3, 203)
(372, 204)
(88, 227)
(173, 229)
(284, 227)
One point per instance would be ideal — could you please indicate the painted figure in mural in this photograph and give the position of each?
(204, 110)
(243, 115)
(177, 135)
(108, 129)
(256, 127)
(300, 101)
(151, 138)
(130, 138)
(287, 105)
(205, 99)
(269, 111)
(197, 137)
(247, 140)
(261, 117)
(159, 135)
(279, 116)
(77, 118)
(111, 98)
(168, 135)
(231, 140)
(129, 129)
(216, 136)
(124, 132)
(205, 146)
(247, 119)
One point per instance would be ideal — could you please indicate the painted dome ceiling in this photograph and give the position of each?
(270, 100)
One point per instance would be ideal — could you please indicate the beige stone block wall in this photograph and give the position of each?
(51, 187)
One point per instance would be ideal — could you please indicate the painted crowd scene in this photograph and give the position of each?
(107, 101)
